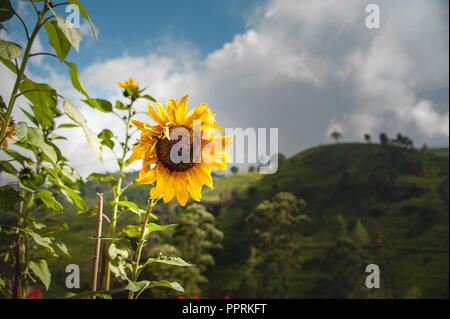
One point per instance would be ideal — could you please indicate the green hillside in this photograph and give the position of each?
(404, 191)
(409, 188)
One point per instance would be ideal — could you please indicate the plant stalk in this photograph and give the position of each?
(140, 245)
(117, 194)
(19, 77)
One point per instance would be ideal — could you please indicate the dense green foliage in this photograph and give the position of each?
(348, 187)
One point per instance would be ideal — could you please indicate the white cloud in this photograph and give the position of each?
(306, 67)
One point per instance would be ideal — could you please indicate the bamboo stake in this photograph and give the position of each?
(97, 243)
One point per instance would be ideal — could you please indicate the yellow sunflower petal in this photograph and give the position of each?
(148, 178)
(162, 113)
(197, 114)
(195, 191)
(169, 190)
(171, 108)
(156, 191)
(204, 173)
(161, 170)
(180, 112)
(181, 190)
(155, 116)
(138, 152)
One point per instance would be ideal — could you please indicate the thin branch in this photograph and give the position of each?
(107, 219)
(122, 212)
(23, 23)
(60, 4)
(17, 65)
(45, 21)
(47, 53)
(36, 90)
(35, 8)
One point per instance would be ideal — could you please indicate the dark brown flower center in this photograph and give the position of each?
(182, 144)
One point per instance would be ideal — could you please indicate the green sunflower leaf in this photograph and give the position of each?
(40, 269)
(9, 50)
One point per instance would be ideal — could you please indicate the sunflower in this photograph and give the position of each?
(130, 83)
(180, 178)
(10, 131)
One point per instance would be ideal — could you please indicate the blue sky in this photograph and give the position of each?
(305, 67)
(138, 27)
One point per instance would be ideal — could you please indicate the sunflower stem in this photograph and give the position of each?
(140, 245)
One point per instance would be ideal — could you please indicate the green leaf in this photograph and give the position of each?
(40, 93)
(136, 286)
(7, 167)
(175, 261)
(6, 10)
(35, 181)
(18, 157)
(164, 283)
(132, 206)
(57, 39)
(151, 227)
(35, 137)
(148, 97)
(49, 201)
(8, 197)
(68, 175)
(116, 252)
(66, 125)
(45, 242)
(44, 100)
(74, 197)
(99, 104)
(9, 50)
(92, 138)
(30, 117)
(103, 178)
(57, 137)
(108, 143)
(9, 65)
(92, 211)
(76, 80)
(145, 284)
(68, 29)
(131, 231)
(119, 105)
(106, 136)
(61, 223)
(40, 269)
(84, 14)
(61, 246)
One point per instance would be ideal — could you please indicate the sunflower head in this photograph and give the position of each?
(10, 132)
(179, 151)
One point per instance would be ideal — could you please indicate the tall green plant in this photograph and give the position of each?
(41, 177)
(120, 257)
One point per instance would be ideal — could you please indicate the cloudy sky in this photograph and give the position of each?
(306, 67)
